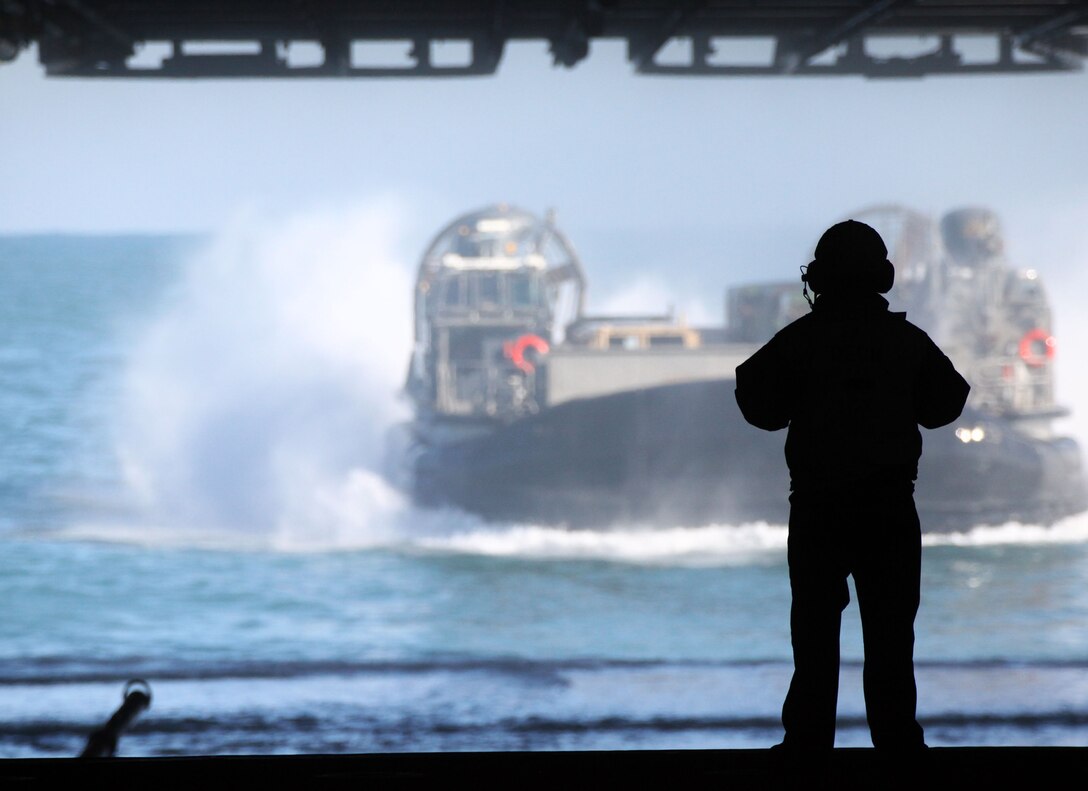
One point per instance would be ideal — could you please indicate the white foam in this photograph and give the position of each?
(1071, 530)
(712, 545)
(258, 401)
(690, 546)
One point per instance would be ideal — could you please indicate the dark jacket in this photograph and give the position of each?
(853, 381)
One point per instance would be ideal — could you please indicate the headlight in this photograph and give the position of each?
(974, 434)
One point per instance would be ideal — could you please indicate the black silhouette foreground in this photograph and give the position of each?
(136, 698)
(852, 381)
(736, 770)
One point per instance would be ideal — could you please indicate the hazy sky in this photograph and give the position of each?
(755, 164)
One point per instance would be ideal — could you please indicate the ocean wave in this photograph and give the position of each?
(1071, 530)
(712, 545)
(698, 546)
(293, 724)
(454, 532)
(49, 671)
(55, 671)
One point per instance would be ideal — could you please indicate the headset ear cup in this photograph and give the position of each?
(885, 278)
(812, 276)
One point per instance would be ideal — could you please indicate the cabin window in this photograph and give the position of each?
(452, 291)
(487, 289)
(466, 247)
(522, 290)
(666, 340)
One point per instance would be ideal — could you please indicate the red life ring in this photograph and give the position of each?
(1028, 351)
(515, 350)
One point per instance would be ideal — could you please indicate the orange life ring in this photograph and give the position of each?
(1027, 347)
(515, 350)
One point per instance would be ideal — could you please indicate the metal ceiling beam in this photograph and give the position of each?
(1056, 23)
(790, 60)
(641, 52)
(97, 37)
(101, 24)
(1046, 39)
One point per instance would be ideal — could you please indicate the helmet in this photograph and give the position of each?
(850, 256)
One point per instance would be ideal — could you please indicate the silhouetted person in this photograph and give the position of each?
(852, 381)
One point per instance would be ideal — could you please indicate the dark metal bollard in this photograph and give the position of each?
(103, 742)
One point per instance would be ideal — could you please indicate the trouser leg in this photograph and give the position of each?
(887, 578)
(820, 593)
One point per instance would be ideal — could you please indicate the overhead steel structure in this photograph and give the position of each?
(434, 38)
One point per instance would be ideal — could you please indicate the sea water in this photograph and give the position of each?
(194, 490)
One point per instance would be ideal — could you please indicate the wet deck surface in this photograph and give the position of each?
(1003, 767)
